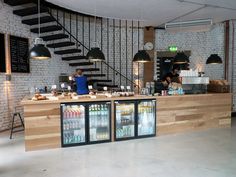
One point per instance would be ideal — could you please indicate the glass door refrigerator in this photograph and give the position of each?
(135, 119)
(146, 118)
(99, 122)
(124, 120)
(85, 123)
(73, 124)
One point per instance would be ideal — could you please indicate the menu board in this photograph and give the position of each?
(2, 53)
(19, 48)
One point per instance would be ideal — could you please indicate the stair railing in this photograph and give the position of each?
(81, 44)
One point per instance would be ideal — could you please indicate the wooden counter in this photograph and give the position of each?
(174, 114)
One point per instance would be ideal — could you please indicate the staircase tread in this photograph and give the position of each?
(46, 29)
(106, 85)
(18, 2)
(100, 80)
(89, 69)
(29, 11)
(79, 57)
(95, 75)
(67, 51)
(55, 37)
(60, 44)
(34, 21)
(81, 64)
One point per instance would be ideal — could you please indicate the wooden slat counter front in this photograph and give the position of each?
(174, 114)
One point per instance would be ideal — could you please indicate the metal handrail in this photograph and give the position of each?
(71, 35)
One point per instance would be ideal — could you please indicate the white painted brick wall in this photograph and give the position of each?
(42, 72)
(201, 44)
(110, 59)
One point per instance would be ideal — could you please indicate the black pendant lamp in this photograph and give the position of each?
(95, 54)
(214, 59)
(39, 51)
(181, 58)
(141, 57)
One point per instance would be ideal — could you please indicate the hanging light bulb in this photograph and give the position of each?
(95, 54)
(39, 51)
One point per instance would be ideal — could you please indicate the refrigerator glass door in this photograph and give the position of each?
(99, 122)
(73, 122)
(146, 117)
(125, 120)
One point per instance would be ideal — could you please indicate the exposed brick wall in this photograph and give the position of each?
(201, 44)
(42, 72)
(102, 41)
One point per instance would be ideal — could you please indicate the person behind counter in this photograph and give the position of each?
(172, 76)
(81, 82)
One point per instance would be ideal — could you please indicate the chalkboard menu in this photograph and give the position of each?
(2, 53)
(19, 48)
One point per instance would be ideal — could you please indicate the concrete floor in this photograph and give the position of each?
(210, 153)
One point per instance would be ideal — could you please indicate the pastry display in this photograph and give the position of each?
(37, 97)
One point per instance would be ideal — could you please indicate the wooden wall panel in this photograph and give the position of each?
(148, 70)
(193, 112)
(42, 126)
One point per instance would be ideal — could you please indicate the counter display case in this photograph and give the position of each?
(147, 118)
(134, 119)
(99, 122)
(125, 119)
(73, 124)
(85, 123)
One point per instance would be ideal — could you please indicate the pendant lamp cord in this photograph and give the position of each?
(39, 17)
(138, 35)
(95, 25)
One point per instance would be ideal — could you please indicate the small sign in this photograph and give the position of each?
(105, 88)
(128, 87)
(122, 87)
(173, 48)
(90, 87)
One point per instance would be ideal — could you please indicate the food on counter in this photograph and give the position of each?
(219, 82)
(218, 86)
(123, 94)
(37, 97)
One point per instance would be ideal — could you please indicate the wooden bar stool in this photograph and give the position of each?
(15, 115)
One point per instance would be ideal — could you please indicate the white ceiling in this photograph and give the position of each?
(154, 12)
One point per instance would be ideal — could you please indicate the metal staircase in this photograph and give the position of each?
(59, 38)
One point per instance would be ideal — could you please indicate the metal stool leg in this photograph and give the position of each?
(12, 125)
(21, 120)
